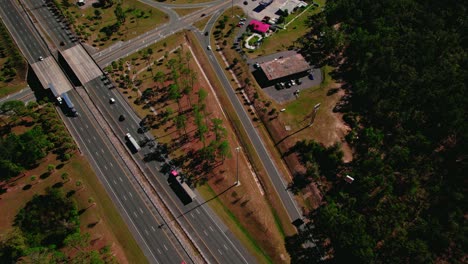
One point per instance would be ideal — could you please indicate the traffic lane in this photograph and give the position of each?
(105, 57)
(21, 29)
(144, 222)
(200, 224)
(279, 183)
(47, 19)
(25, 95)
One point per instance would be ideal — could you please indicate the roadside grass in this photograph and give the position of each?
(101, 220)
(234, 224)
(244, 73)
(257, 166)
(12, 87)
(201, 24)
(185, 11)
(140, 18)
(285, 38)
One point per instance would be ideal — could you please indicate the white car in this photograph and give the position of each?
(41, 58)
(293, 82)
(112, 101)
(209, 47)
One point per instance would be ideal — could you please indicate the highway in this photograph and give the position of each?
(159, 245)
(213, 239)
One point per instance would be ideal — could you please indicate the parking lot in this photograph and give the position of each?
(285, 94)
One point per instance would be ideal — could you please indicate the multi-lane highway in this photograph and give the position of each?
(159, 245)
(213, 239)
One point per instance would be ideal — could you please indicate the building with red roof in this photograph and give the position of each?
(259, 26)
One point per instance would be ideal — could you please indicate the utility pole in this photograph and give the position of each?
(237, 183)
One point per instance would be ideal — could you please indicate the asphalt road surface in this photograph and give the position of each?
(277, 179)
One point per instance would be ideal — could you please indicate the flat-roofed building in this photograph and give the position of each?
(285, 67)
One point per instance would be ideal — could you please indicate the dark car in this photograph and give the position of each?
(311, 76)
(121, 118)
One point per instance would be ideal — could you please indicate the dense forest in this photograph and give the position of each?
(403, 64)
(22, 151)
(47, 230)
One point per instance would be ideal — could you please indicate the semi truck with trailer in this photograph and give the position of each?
(135, 145)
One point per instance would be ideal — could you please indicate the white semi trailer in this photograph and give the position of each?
(133, 141)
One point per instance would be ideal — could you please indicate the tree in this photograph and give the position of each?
(181, 123)
(12, 246)
(160, 78)
(50, 168)
(218, 129)
(48, 219)
(65, 177)
(174, 94)
(119, 14)
(224, 150)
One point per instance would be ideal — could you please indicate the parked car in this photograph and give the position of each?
(112, 101)
(209, 47)
(311, 76)
(298, 81)
(293, 83)
(121, 118)
(41, 58)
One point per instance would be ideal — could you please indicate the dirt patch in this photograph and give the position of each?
(16, 196)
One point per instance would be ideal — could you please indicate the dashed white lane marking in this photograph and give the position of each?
(125, 198)
(131, 195)
(198, 212)
(152, 227)
(224, 245)
(135, 213)
(120, 178)
(206, 233)
(105, 167)
(211, 229)
(159, 251)
(219, 250)
(115, 182)
(141, 211)
(146, 231)
(112, 165)
(165, 247)
(192, 215)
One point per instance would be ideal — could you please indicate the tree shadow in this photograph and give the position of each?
(70, 193)
(45, 175)
(27, 187)
(57, 185)
(93, 224)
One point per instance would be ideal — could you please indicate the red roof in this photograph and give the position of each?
(259, 26)
(174, 173)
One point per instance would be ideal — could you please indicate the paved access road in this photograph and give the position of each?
(277, 179)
